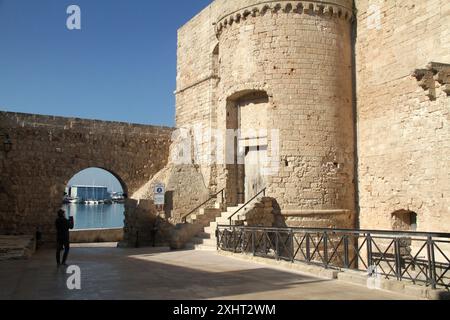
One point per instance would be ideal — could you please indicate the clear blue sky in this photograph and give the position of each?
(96, 177)
(121, 66)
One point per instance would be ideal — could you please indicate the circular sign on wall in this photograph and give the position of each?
(160, 190)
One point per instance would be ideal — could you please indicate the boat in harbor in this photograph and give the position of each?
(75, 200)
(117, 198)
(91, 195)
(70, 200)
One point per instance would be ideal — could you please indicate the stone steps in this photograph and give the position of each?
(16, 247)
(205, 248)
(204, 216)
(12, 254)
(210, 230)
(205, 235)
(209, 219)
(206, 240)
(200, 247)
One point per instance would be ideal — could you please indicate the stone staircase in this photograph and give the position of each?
(206, 239)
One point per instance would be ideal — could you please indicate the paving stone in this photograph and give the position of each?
(145, 273)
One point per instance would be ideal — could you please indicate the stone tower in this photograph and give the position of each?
(279, 73)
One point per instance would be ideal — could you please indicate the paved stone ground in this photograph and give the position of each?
(111, 273)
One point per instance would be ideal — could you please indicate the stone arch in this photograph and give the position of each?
(123, 184)
(97, 234)
(235, 101)
(47, 151)
(215, 60)
(248, 92)
(58, 190)
(238, 89)
(247, 116)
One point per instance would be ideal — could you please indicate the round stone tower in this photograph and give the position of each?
(285, 70)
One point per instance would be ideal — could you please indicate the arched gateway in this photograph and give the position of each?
(47, 151)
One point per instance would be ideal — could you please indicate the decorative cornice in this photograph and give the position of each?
(314, 212)
(323, 9)
(434, 72)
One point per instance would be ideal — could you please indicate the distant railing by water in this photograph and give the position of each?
(419, 257)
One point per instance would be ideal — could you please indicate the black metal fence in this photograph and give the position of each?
(419, 257)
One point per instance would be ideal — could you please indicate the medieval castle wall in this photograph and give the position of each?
(47, 151)
(403, 130)
(354, 119)
(297, 55)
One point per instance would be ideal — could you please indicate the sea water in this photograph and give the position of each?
(101, 216)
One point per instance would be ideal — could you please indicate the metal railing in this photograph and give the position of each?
(212, 197)
(419, 257)
(263, 192)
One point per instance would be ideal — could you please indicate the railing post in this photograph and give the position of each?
(265, 242)
(398, 260)
(234, 240)
(369, 250)
(217, 238)
(224, 240)
(292, 246)
(253, 242)
(308, 248)
(325, 249)
(353, 241)
(346, 253)
(431, 262)
(277, 245)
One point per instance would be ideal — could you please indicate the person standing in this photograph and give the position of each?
(62, 236)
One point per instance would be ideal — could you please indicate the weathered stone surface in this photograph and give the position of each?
(96, 235)
(403, 134)
(17, 247)
(261, 213)
(145, 225)
(348, 111)
(182, 234)
(154, 274)
(296, 54)
(185, 187)
(303, 62)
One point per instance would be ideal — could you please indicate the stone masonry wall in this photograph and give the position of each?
(403, 135)
(299, 53)
(48, 151)
(184, 182)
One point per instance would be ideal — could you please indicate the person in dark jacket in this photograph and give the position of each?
(62, 231)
